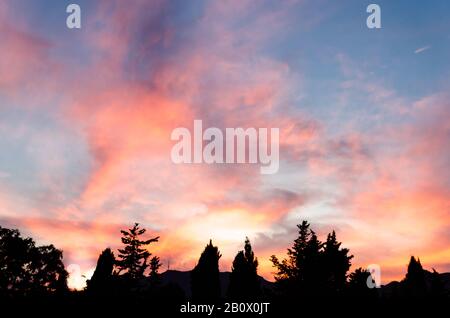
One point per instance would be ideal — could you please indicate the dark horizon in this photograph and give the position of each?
(33, 275)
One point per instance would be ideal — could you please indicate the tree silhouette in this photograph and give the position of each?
(313, 272)
(244, 283)
(437, 289)
(300, 271)
(155, 264)
(205, 281)
(357, 286)
(133, 258)
(290, 268)
(336, 264)
(414, 281)
(312, 269)
(28, 269)
(101, 280)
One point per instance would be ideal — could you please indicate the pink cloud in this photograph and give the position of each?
(128, 96)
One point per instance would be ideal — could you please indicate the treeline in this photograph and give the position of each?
(312, 272)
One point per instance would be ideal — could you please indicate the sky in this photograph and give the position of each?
(86, 117)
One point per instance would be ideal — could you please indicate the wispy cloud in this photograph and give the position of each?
(422, 49)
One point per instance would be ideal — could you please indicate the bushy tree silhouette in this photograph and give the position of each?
(205, 281)
(101, 280)
(358, 289)
(27, 269)
(133, 258)
(244, 283)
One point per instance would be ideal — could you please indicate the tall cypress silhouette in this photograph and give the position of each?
(414, 281)
(205, 281)
(133, 257)
(101, 280)
(244, 283)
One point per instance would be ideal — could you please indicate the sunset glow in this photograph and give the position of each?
(86, 118)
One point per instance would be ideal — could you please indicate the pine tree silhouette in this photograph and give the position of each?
(244, 283)
(312, 269)
(299, 273)
(291, 267)
(133, 258)
(155, 264)
(336, 264)
(205, 281)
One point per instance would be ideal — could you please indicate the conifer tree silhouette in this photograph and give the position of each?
(133, 257)
(244, 283)
(299, 272)
(336, 264)
(291, 267)
(312, 268)
(155, 264)
(205, 281)
(101, 280)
